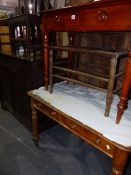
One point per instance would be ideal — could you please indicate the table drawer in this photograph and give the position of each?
(77, 128)
(111, 18)
(61, 21)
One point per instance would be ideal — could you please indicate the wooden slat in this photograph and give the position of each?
(79, 82)
(80, 73)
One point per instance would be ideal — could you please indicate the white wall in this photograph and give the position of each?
(9, 3)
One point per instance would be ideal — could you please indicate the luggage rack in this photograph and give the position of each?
(70, 72)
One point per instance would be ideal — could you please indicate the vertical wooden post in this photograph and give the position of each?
(111, 82)
(46, 61)
(51, 71)
(70, 36)
(28, 25)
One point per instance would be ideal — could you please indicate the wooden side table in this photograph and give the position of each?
(114, 150)
(100, 16)
(125, 91)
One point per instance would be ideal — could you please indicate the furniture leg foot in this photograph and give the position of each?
(106, 114)
(121, 107)
(120, 159)
(108, 104)
(36, 143)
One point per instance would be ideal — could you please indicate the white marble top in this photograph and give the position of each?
(87, 106)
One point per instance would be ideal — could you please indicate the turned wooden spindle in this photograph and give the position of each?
(125, 90)
(35, 123)
(70, 54)
(46, 61)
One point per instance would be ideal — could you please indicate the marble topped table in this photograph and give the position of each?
(80, 110)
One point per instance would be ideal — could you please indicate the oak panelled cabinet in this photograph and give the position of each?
(17, 76)
(21, 66)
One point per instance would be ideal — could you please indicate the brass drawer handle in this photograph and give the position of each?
(101, 15)
(59, 19)
(39, 105)
(53, 112)
(73, 126)
(108, 147)
(98, 141)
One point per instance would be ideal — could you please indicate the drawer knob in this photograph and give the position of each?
(101, 15)
(108, 147)
(39, 105)
(53, 112)
(73, 126)
(98, 140)
(58, 19)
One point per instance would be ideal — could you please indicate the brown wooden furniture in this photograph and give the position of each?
(125, 91)
(17, 76)
(117, 152)
(99, 16)
(25, 36)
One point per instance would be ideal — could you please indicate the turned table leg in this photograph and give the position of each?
(125, 91)
(46, 60)
(35, 124)
(120, 159)
(51, 71)
(70, 54)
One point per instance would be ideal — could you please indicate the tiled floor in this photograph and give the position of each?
(60, 152)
